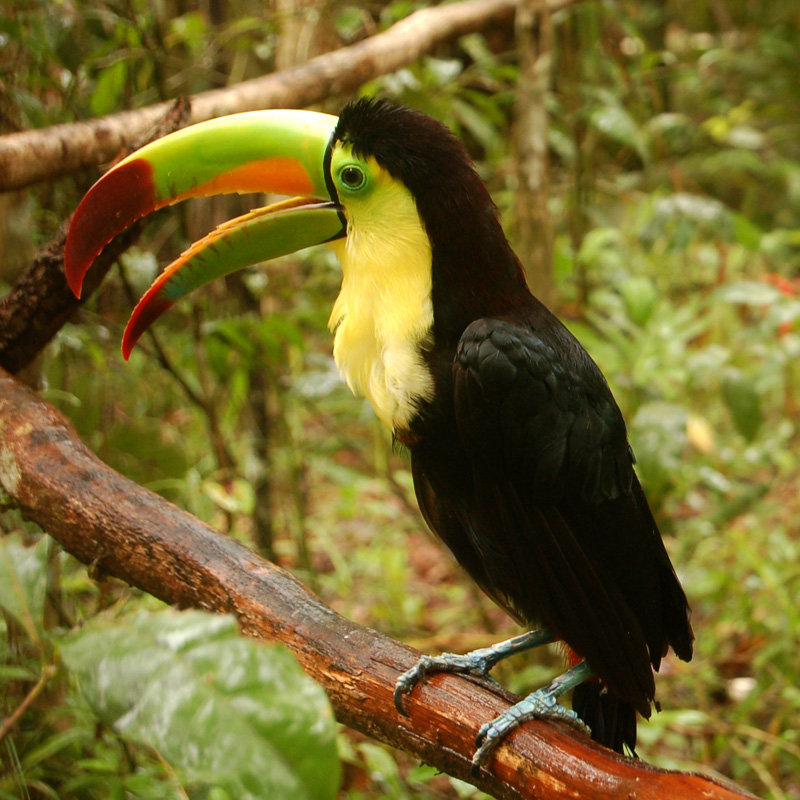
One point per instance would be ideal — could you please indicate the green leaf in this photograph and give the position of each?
(780, 242)
(640, 296)
(224, 710)
(52, 745)
(658, 435)
(108, 88)
(188, 29)
(675, 131)
(140, 786)
(746, 232)
(443, 70)
(12, 672)
(478, 123)
(602, 247)
(743, 402)
(23, 581)
(236, 496)
(750, 293)
(616, 123)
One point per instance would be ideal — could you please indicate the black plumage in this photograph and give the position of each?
(521, 461)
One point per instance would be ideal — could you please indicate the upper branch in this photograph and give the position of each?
(108, 521)
(32, 156)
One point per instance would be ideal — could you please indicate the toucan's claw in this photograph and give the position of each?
(541, 704)
(477, 662)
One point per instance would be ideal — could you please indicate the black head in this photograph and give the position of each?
(474, 268)
(412, 147)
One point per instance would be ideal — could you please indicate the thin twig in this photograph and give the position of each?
(160, 353)
(9, 723)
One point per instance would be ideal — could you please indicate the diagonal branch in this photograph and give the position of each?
(32, 156)
(127, 531)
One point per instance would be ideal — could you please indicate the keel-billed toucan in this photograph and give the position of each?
(519, 453)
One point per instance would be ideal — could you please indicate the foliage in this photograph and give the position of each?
(675, 192)
(153, 704)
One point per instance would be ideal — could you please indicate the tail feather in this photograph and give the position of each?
(612, 720)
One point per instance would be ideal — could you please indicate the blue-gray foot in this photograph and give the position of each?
(541, 704)
(477, 663)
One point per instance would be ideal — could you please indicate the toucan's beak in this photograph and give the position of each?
(281, 152)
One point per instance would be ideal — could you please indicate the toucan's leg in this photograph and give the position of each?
(541, 704)
(477, 663)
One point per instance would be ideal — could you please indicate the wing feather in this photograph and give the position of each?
(557, 522)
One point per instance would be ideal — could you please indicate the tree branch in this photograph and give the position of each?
(108, 521)
(32, 156)
(10, 722)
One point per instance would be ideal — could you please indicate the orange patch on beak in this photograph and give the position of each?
(259, 176)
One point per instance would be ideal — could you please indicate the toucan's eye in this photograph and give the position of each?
(353, 177)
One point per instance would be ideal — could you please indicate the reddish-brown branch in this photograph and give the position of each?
(107, 520)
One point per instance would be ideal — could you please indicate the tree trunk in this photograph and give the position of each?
(534, 231)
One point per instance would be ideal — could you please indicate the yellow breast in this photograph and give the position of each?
(383, 315)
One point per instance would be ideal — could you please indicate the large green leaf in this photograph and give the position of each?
(743, 401)
(640, 296)
(23, 581)
(617, 123)
(225, 711)
(108, 88)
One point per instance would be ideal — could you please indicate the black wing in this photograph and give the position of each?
(555, 524)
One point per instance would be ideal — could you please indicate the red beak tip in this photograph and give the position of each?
(127, 348)
(129, 339)
(148, 310)
(128, 189)
(76, 286)
(73, 272)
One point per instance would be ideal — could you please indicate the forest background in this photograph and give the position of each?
(668, 239)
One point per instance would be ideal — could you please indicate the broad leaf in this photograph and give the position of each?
(224, 710)
(743, 402)
(616, 123)
(750, 293)
(108, 88)
(23, 581)
(640, 296)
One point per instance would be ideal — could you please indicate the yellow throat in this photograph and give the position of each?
(383, 315)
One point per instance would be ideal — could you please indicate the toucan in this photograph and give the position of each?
(519, 452)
